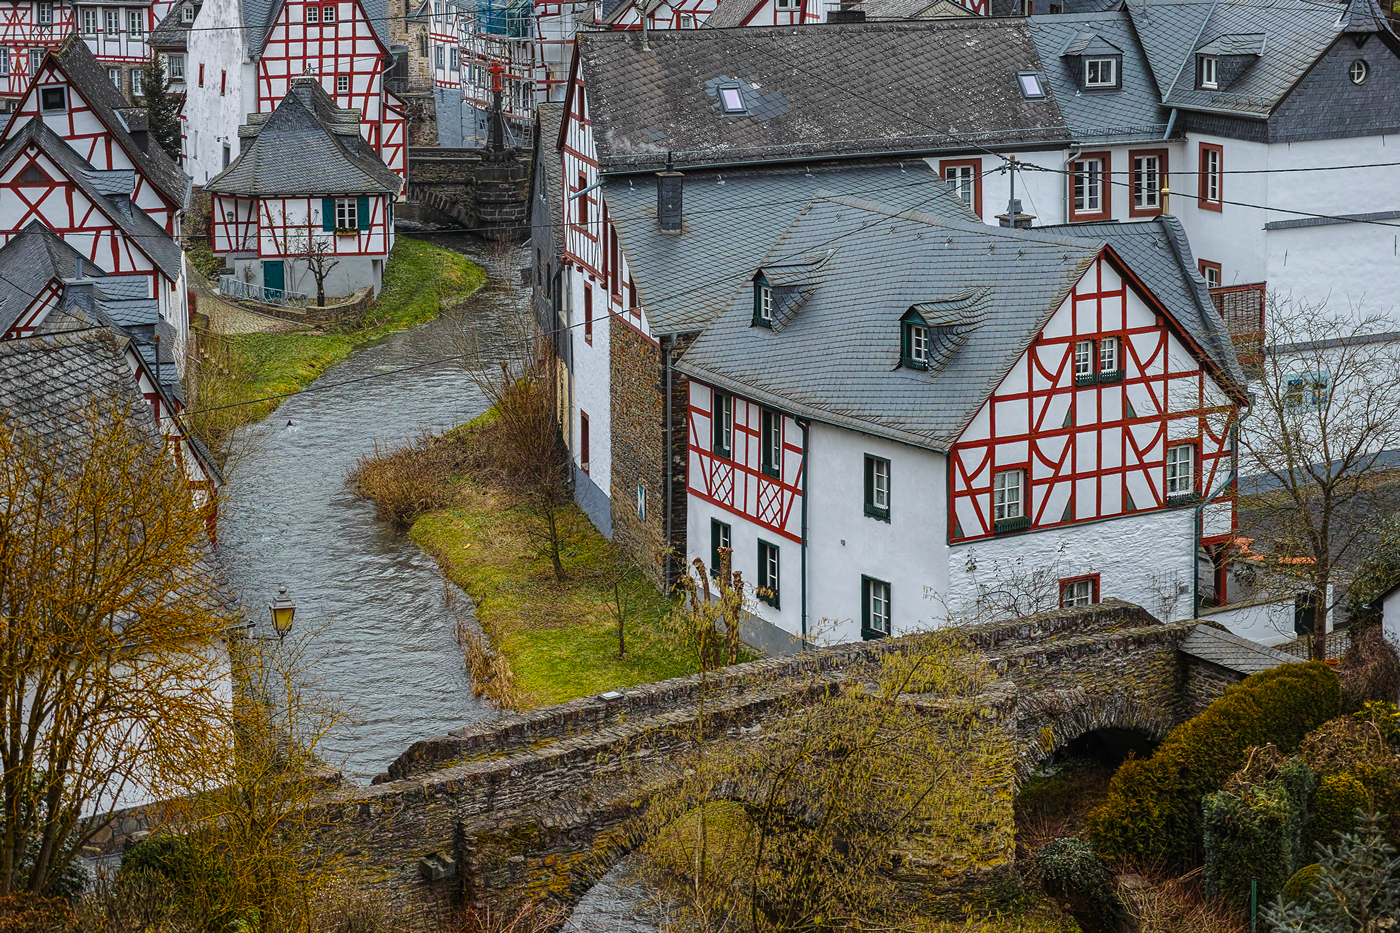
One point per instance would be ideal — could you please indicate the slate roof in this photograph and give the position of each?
(551, 117)
(259, 15)
(986, 292)
(732, 219)
(172, 33)
(307, 145)
(49, 383)
(1295, 33)
(923, 86)
(730, 13)
(876, 10)
(1159, 253)
(29, 261)
(90, 79)
(148, 236)
(1134, 113)
(1232, 652)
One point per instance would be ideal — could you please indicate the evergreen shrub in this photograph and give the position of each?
(1071, 872)
(1253, 828)
(1334, 809)
(1301, 885)
(1153, 809)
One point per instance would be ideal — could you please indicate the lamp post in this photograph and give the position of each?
(283, 612)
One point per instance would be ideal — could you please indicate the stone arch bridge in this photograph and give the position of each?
(539, 805)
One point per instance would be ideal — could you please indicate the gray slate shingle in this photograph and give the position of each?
(307, 146)
(929, 85)
(1232, 652)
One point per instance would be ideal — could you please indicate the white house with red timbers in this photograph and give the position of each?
(906, 419)
(308, 194)
(244, 54)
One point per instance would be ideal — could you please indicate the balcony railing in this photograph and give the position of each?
(233, 287)
(1242, 308)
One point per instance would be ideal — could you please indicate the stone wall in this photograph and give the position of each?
(638, 448)
(466, 186)
(541, 804)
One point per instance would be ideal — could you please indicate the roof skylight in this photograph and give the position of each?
(731, 101)
(1031, 87)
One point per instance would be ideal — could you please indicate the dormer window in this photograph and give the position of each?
(187, 13)
(916, 344)
(1100, 73)
(1210, 72)
(762, 304)
(731, 100)
(1030, 84)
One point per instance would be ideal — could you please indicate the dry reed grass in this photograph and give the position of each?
(491, 673)
(406, 480)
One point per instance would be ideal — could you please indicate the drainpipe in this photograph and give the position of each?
(667, 351)
(1070, 156)
(805, 425)
(1171, 124)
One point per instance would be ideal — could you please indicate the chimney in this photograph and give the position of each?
(668, 198)
(850, 12)
(1023, 221)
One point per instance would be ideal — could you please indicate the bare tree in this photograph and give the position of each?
(319, 255)
(111, 670)
(1326, 407)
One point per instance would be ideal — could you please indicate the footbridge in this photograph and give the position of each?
(536, 806)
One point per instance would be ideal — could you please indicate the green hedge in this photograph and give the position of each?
(1153, 809)
(1256, 831)
(1334, 808)
(1302, 883)
(1072, 874)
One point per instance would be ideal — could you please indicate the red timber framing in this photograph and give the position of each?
(737, 483)
(346, 54)
(282, 227)
(61, 205)
(34, 315)
(22, 32)
(81, 127)
(1094, 447)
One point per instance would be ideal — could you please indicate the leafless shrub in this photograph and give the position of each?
(407, 480)
(529, 918)
(1369, 670)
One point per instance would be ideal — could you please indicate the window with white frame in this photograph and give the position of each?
(1181, 469)
(177, 68)
(1083, 359)
(113, 20)
(135, 23)
(4, 63)
(1210, 183)
(454, 62)
(875, 611)
(687, 21)
(45, 13)
(346, 214)
(721, 538)
(763, 305)
(187, 13)
(440, 53)
(136, 82)
(963, 180)
(1100, 72)
(313, 14)
(328, 14)
(1079, 591)
(1147, 181)
(342, 84)
(36, 58)
(1088, 186)
(787, 4)
(1007, 495)
(772, 442)
(89, 21)
(115, 76)
(768, 573)
(1109, 361)
(877, 487)
(916, 345)
(1210, 71)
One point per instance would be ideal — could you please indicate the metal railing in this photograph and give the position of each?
(233, 287)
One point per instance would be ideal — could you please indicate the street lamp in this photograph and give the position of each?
(283, 610)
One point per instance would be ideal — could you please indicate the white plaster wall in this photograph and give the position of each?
(217, 41)
(744, 537)
(1234, 236)
(1269, 623)
(910, 551)
(592, 382)
(1390, 617)
(1351, 267)
(351, 273)
(1146, 558)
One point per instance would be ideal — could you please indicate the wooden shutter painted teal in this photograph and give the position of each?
(362, 212)
(328, 214)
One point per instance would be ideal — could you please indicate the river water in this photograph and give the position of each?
(373, 615)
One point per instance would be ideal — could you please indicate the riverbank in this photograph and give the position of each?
(558, 639)
(239, 369)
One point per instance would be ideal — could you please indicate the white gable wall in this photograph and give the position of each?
(217, 44)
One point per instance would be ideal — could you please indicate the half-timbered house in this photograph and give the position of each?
(904, 419)
(116, 33)
(307, 196)
(245, 53)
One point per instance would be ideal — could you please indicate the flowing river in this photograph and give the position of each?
(374, 612)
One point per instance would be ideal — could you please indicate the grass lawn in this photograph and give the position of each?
(560, 639)
(416, 280)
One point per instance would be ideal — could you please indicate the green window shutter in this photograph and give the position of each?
(328, 214)
(362, 212)
(869, 482)
(864, 604)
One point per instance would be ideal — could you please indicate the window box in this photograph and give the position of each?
(1009, 525)
(1081, 381)
(1115, 375)
(1183, 498)
(351, 232)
